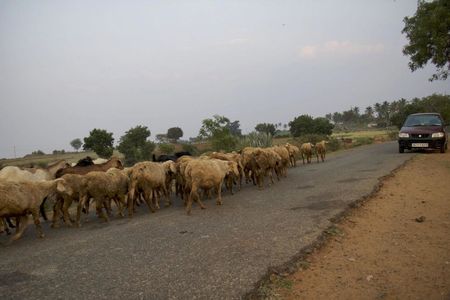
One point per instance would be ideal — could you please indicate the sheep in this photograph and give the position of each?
(18, 199)
(180, 182)
(207, 174)
(267, 161)
(102, 187)
(285, 159)
(148, 178)
(68, 191)
(306, 151)
(114, 162)
(15, 174)
(321, 150)
(236, 157)
(293, 152)
(249, 163)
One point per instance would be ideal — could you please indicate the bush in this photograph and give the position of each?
(333, 144)
(255, 139)
(37, 152)
(190, 148)
(55, 152)
(224, 142)
(166, 148)
(393, 134)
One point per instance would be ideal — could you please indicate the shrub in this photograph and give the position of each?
(190, 148)
(393, 134)
(333, 144)
(166, 148)
(255, 139)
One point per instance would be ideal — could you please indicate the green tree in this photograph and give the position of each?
(301, 125)
(217, 130)
(322, 126)
(76, 144)
(306, 124)
(174, 133)
(100, 141)
(267, 128)
(428, 33)
(135, 146)
(434, 103)
(234, 128)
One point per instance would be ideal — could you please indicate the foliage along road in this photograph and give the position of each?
(217, 253)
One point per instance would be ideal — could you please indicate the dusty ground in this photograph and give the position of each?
(396, 246)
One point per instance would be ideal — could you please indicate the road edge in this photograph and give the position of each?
(259, 290)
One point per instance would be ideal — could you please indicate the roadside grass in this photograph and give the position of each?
(376, 135)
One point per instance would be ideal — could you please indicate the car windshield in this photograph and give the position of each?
(423, 120)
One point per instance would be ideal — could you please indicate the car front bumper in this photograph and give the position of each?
(409, 143)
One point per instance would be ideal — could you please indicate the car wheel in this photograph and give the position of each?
(443, 149)
(401, 149)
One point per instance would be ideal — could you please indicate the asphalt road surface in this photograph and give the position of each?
(217, 253)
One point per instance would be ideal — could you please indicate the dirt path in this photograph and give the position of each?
(396, 246)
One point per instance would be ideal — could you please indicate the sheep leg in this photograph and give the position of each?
(81, 204)
(189, 201)
(148, 200)
(57, 207)
(155, 199)
(42, 210)
(99, 204)
(37, 222)
(21, 223)
(219, 194)
(167, 194)
(65, 208)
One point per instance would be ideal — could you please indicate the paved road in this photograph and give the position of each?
(218, 253)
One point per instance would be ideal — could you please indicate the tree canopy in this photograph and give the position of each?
(100, 141)
(267, 128)
(428, 33)
(135, 146)
(76, 144)
(306, 124)
(174, 133)
(219, 131)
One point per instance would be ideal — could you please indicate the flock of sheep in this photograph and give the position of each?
(24, 191)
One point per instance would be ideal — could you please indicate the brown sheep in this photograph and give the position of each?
(293, 152)
(19, 199)
(236, 157)
(285, 159)
(321, 150)
(148, 179)
(267, 162)
(114, 162)
(207, 174)
(249, 164)
(103, 187)
(306, 151)
(68, 191)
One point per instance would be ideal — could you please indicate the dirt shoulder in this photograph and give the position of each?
(395, 246)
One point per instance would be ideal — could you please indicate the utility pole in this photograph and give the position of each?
(15, 156)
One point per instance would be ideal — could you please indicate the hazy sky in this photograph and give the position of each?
(67, 67)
